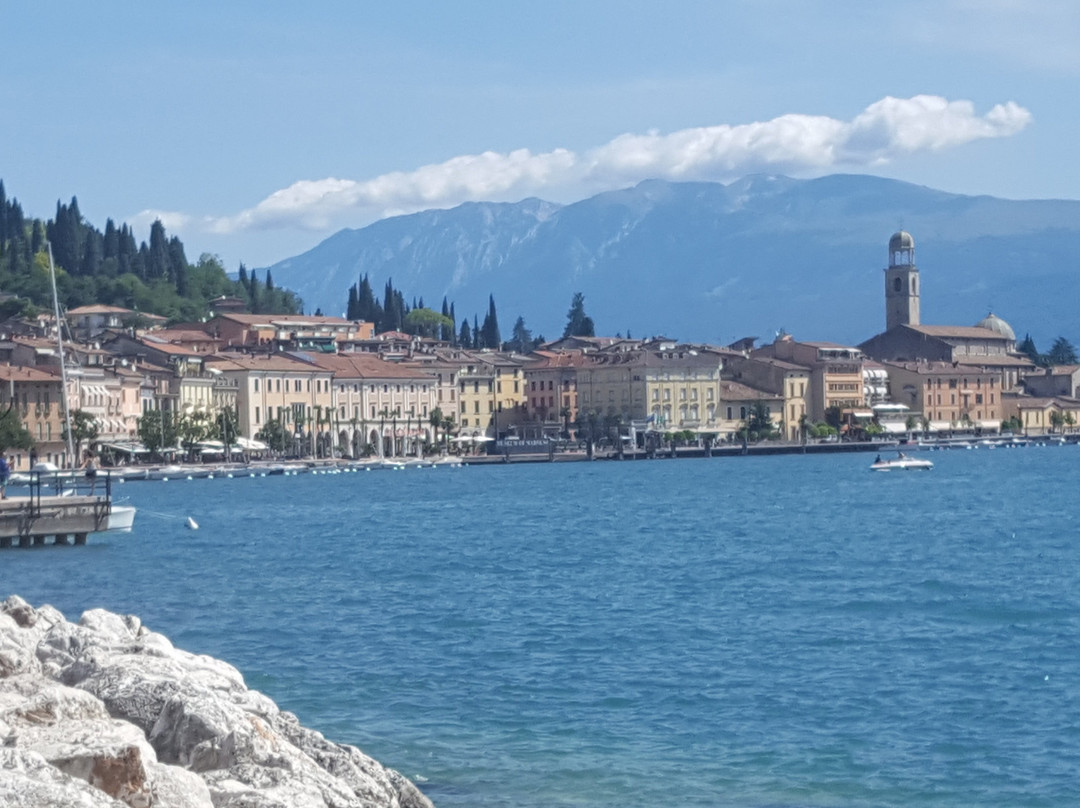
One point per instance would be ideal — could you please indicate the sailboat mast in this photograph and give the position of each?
(63, 364)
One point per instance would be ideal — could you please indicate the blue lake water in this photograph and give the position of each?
(776, 631)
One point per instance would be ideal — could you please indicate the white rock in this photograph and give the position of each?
(27, 780)
(115, 705)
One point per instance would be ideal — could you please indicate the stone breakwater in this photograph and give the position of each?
(104, 712)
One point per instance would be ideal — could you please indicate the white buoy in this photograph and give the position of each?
(192, 524)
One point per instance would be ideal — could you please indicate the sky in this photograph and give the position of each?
(254, 130)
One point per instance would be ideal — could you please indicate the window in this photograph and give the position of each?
(256, 385)
(257, 415)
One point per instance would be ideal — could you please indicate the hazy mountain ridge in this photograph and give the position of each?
(706, 261)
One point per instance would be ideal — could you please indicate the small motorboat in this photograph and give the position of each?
(900, 463)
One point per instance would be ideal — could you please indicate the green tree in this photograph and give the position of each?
(426, 323)
(489, 333)
(1061, 352)
(274, 435)
(193, 428)
(228, 428)
(759, 423)
(157, 431)
(13, 435)
(83, 427)
(521, 340)
(1027, 347)
(578, 324)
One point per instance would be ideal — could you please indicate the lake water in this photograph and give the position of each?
(775, 631)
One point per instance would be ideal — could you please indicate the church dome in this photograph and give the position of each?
(901, 249)
(997, 325)
(901, 240)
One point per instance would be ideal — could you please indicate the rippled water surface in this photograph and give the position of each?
(782, 631)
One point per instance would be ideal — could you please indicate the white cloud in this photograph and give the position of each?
(796, 144)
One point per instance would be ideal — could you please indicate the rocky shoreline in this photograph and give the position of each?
(105, 713)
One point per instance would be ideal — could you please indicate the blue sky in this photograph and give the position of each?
(255, 130)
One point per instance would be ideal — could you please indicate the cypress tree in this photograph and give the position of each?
(110, 247)
(91, 259)
(465, 339)
(351, 306)
(37, 238)
(157, 257)
(491, 336)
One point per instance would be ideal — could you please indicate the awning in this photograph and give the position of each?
(133, 447)
(250, 445)
(893, 427)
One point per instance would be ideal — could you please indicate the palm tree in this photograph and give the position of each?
(435, 420)
(447, 427)
(384, 413)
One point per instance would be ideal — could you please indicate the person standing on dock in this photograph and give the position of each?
(91, 466)
(5, 473)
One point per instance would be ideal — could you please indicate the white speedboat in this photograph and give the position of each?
(901, 463)
(121, 518)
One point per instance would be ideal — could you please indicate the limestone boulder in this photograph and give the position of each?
(27, 780)
(110, 704)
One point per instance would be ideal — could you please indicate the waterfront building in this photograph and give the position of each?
(775, 377)
(989, 344)
(384, 405)
(675, 389)
(551, 399)
(737, 403)
(947, 395)
(35, 394)
(276, 387)
(1043, 415)
(835, 374)
(445, 373)
(491, 394)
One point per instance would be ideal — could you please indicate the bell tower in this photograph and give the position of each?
(901, 282)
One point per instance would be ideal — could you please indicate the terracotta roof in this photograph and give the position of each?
(957, 331)
(1042, 402)
(278, 363)
(100, 309)
(937, 368)
(737, 391)
(996, 361)
(366, 366)
(782, 364)
(21, 373)
(181, 335)
(557, 359)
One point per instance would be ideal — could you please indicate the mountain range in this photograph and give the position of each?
(714, 263)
